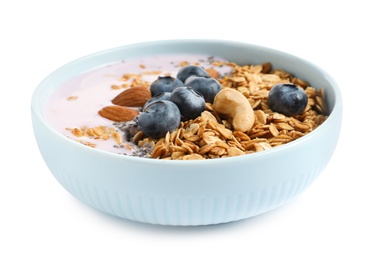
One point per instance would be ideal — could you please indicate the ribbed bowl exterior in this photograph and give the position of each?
(189, 192)
(187, 211)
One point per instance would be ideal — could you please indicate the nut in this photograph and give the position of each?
(132, 97)
(118, 113)
(212, 72)
(233, 105)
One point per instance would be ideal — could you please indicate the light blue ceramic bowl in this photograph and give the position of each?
(188, 192)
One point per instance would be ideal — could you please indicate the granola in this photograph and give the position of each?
(211, 136)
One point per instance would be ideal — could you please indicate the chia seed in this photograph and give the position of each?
(129, 129)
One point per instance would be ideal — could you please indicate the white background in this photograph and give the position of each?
(40, 220)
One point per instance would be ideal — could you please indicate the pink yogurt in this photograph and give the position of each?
(94, 91)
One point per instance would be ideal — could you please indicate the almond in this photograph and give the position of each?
(118, 113)
(212, 72)
(132, 97)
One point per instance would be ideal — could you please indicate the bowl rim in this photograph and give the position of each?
(36, 109)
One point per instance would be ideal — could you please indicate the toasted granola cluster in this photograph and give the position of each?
(211, 136)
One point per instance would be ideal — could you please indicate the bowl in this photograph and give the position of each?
(193, 192)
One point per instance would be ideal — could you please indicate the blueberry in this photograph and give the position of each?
(208, 87)
(287, 99)
(159, 118)
(158, 97)
(189, 101)
(164, 84)
(190, 70)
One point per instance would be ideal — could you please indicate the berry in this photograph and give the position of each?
(191, 70)
(158, 97)
(207, 87)
(159, 118)
(288, 99)
(164, 84)
(189, 101)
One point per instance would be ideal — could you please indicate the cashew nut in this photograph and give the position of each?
(233, 105)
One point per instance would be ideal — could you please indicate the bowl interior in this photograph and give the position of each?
(240, 53)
